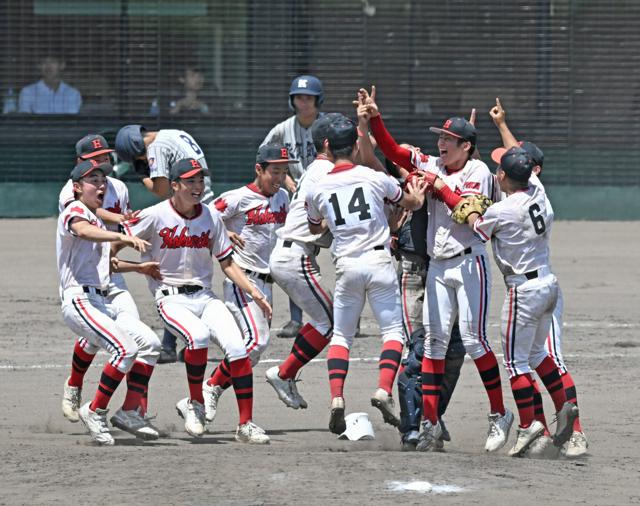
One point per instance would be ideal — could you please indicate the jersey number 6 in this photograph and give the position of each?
(537, 219)
(357, 204)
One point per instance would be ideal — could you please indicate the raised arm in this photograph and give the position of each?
(499, 117)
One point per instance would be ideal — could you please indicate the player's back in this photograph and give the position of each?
(351, 200)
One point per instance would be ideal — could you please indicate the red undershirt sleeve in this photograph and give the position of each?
(394, 152)
(448, 196)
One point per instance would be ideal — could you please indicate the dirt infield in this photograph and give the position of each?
(45, 459)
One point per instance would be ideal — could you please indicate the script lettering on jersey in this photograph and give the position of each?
(171, 239)
(266, 216)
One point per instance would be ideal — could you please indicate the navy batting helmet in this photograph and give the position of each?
(306, 85)
(130, 142)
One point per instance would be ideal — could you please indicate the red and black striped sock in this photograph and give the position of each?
(572, 396)
(432, 375)
(307, 346)
(538, 409)
(144, 402)
(490, 374)
(522, 389)
(221, 375)
(196, 364)
(390, 357)
(242, 378)
(79, 365)
(550, 376)
(109, 381)
(137, 383)
(338, 365)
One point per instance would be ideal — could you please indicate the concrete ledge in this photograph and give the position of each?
(30, 200)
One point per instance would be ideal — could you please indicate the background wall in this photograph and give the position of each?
(566, 71)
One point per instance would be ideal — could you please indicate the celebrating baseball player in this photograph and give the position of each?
(83, 264)
(252, 214)
(295, 269)
(520, 226)
(349, 201)
(577, 445)
(152, 154)
(184, 234)
(459, 279)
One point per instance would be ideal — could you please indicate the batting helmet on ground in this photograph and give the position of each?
(130, 142)
(306, 85)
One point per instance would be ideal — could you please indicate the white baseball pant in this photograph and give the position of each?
(198, 317)
(553, 343)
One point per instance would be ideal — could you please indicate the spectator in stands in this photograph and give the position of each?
(193, 81)
(50, 95)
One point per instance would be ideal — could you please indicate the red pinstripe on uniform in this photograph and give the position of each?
(483, 295)
(247, 310)
(309, 271)
(477, 230)
(176, 323)
(108, 336)
(507, 350)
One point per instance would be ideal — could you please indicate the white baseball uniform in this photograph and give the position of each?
(255, 217)
(458, 259)
(519, 227)
(84, 281)
(351, 200)
(293, 262)
(184, 299)
(170, 146)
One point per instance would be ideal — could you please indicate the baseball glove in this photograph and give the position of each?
(468, 205)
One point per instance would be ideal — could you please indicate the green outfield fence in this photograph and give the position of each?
(567, 72)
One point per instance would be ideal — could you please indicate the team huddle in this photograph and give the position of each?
(434, 214)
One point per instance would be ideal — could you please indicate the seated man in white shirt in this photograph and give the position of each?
(50, 95)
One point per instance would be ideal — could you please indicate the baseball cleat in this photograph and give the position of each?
(193, 414)
(337, 424)
(525, 438)
(409, 441)
(133, 423)
(445, 433)
(296, 395)
(576, 446)
(542, 448)
(429, 434)
(211, 394)
(564, 423)
(282, 387)
(250, 433)
(290, 329)
(71, 399)
(167, 356)
(498, 433)
(384, 402)
(96, 424)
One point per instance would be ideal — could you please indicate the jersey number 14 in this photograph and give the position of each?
(357, 205)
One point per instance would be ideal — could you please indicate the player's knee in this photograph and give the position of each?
(150, 350)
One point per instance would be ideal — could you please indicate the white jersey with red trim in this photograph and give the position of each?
(183, 246)
(446, 238)
(80, 262)
(116, 199)
(351, 199)
(520, 226)
(170, 146)
(255, 217)
(296, 226)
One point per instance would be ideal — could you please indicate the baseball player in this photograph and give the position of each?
(252, 215)
(152, 154)
(184, 234)
(458, 279)
(577, 445)
(83, 264)
(520, 226)
(115, 209)
(294, 268)
(305, 99)
(349, 201)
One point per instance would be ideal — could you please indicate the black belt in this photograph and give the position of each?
(379, 247)
(183, 289)
(93, 289)
(264, 277)
(531, 274)
(465, 252)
